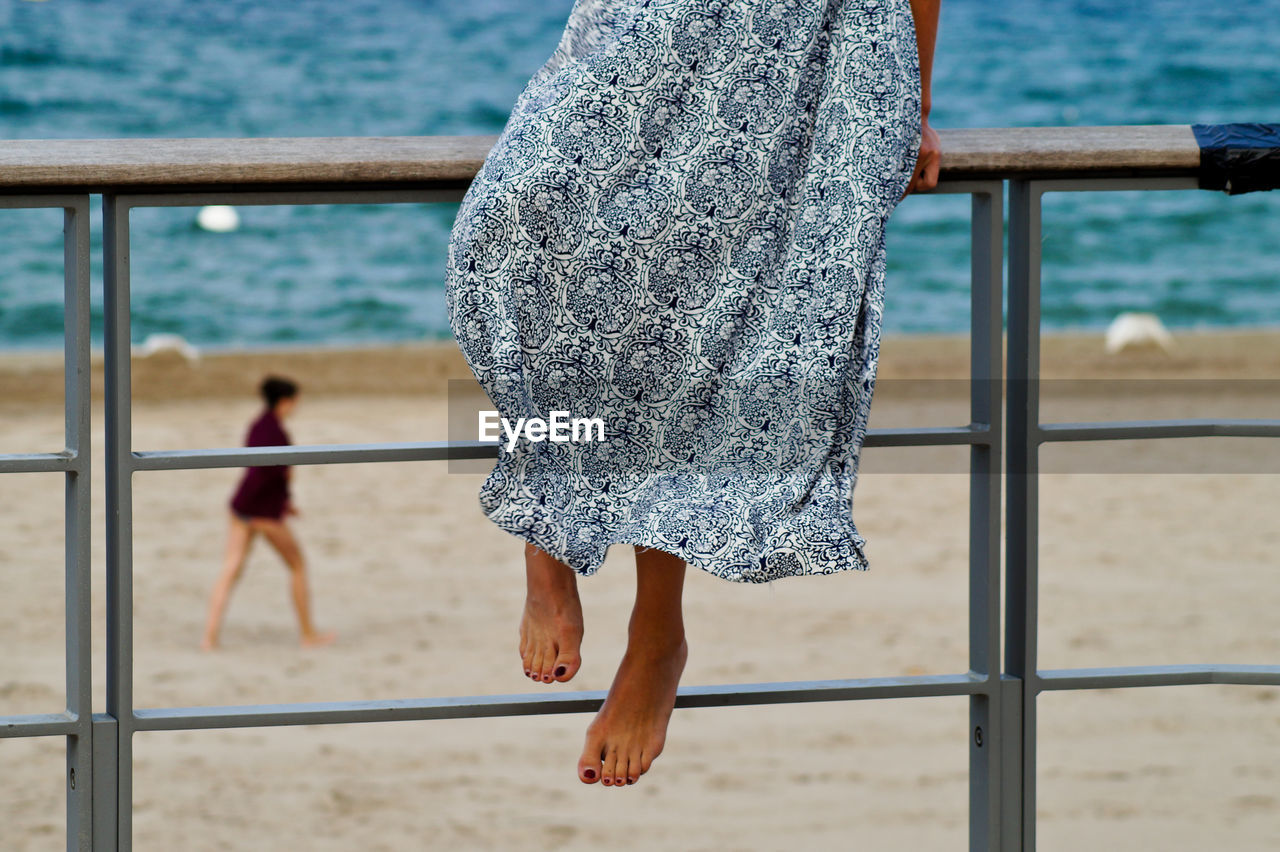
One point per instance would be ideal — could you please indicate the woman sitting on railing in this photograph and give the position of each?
(680, 232)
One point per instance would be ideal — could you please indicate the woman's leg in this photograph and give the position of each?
(239, 539)
(282, 539)
(551, 628)
(631, 728)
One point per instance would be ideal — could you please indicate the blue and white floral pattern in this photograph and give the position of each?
(681, 231)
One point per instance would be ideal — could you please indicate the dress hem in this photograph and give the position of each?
(705, 563)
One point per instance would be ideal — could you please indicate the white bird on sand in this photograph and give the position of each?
(156, 344)
(1133, 329)
(219, 218)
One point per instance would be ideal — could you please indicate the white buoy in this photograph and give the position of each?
(1133, 329)
(157, 344)
(219, 218)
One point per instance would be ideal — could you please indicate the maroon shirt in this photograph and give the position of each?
(264, 491)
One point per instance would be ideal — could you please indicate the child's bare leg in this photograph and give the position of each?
(239, 538)
(631, 728)
(281, 537)
(551, 628)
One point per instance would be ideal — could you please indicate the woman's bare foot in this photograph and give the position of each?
(318, 638)
(631, 728)
(551, 628)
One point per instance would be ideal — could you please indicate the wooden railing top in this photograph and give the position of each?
(168, 164)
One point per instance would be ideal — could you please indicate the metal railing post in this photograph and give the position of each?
(1010, 755)
(77, 411)
(73, 462)
(986, 347)
(119, 501)
(106, 800)
(1022, 507)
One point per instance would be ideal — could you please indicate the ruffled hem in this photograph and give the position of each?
(819, 537)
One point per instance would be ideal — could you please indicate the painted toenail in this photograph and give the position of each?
(590, 773)
(561, 670)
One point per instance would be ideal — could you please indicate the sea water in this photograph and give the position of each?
(374, 273)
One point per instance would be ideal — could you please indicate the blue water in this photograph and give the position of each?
(127, 68)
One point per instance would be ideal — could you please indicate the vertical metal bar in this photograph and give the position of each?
(1022, 470)
(1011, 816)
(76, 405)
(119, 519)
(985, 371)
(105, 776)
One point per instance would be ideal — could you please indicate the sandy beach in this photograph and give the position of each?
(1149, 555)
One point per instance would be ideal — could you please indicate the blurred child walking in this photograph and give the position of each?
(261, 504)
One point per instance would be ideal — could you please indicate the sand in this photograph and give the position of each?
(1147, 557)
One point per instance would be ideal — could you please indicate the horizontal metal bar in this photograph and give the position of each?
(313, 454)
(39, 725)
(1112, 184)
(535, 704)
(978, 433)
(287, 196)
(1134, 429)
(31, 202)
(1129, 676)
(930, 436)
(452, 191)
(38, 462)
(962, 186)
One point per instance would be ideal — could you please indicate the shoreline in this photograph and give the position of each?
(426, 367)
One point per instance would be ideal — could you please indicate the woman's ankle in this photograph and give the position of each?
(543, 571)
(661, 636)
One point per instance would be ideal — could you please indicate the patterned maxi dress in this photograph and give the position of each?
(680, 231)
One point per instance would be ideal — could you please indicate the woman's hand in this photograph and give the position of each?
(925, 175)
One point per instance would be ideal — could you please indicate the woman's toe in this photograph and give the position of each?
(626, 770)
(589, 765)
(566, 666)
(608, 768)
(535, 668)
